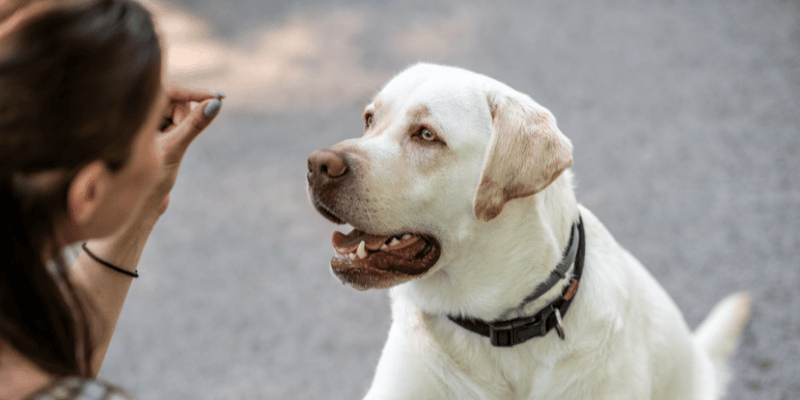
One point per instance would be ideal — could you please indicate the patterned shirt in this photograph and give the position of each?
(80, 389)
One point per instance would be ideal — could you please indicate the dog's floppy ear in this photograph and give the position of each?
(525, 154)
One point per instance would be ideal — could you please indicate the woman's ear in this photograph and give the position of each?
(86, 192)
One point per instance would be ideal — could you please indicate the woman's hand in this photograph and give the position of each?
(188, 113)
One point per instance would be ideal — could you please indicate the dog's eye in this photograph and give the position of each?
(367, 120)
(427, 135)
(423, 134)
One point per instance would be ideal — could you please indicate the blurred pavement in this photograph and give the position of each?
(685, 117)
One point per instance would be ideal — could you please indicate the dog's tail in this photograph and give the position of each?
(719, 334)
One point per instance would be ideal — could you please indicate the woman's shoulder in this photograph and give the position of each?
(80, 389)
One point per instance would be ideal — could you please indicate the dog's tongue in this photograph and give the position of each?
(349, 243)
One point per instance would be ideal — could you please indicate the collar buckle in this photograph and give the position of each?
(515, 331)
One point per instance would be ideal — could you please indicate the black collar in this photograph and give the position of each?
(507, 333)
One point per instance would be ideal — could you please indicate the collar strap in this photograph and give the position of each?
(507, 333)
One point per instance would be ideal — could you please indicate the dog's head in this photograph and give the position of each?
(443, 151)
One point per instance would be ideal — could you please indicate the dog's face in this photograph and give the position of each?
(443, 150)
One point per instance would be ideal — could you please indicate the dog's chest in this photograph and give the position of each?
(527, 371)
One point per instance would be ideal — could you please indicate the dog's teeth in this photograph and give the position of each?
(384, 246)
(407, 236)
(394, 242)
(352, 256)
(362, 250)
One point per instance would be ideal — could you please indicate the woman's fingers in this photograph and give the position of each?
(189, 113)
(191, 124)
(174, 142)
(175, 114)
(181, 101)
(177, 93)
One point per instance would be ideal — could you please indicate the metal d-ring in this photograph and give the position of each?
(559, 326)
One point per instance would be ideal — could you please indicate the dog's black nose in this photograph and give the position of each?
(326, 164)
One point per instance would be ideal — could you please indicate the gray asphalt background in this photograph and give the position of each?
(685, 117)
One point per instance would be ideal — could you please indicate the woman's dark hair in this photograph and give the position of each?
(76, 85)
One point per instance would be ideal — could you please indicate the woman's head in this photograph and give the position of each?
(80, 94)
(76, 85)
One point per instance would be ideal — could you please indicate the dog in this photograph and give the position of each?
(503, 286)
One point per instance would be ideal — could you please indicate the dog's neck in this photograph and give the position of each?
(502, 261)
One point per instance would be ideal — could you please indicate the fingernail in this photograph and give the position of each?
(217, 92)
(212, 108)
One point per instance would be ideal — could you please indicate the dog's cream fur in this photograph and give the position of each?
(496, 190)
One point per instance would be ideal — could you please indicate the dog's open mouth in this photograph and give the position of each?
(376, 261)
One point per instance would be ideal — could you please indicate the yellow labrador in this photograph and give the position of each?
(503, 286)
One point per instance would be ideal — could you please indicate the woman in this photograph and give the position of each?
(90, 146)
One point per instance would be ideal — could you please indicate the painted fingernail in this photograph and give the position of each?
(217, 92)
(212, 108)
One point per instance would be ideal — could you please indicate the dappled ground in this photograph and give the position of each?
(687, 146)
